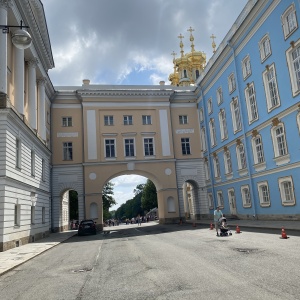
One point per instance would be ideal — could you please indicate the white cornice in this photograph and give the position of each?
(125, 104)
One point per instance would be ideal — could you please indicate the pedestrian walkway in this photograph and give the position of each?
(14, 257)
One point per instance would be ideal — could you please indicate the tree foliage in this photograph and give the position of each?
(149, 196)
(107, 199)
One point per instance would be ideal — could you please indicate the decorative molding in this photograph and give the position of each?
(67, 134)
(183, 131)
(238, 142)
(275, 122)
(254, 133)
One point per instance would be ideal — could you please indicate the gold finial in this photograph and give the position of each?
(213, 42)
(173, 54)
(181, 44)
(191, 38)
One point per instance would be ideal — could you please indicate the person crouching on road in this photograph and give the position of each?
(217, 215)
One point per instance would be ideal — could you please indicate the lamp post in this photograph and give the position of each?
(20, 38)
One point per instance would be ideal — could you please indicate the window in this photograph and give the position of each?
(216, 167)
(147, 120)
(203, 139)
(32, 163)
(242, 164)
(183, 119)
(18, 153)
(289, 21)
(286, 188)
(129, 147)
(43, 215)
(201, 117)
(110, 148)
(223, 124)
(209, 106)
(271, 88)
(43, 169)
(219, 95)
(235, 114)
(279, 144)
(212, 131)
(17, 214)
(220, 199)
(251, 103)
(245, 191)
(263, 193)
(148, 147)
(258, 151)
(293, 59)
(206, 170)
(246, 67)
(108, 120)
(185, 146)
(67, 121)
(231, 83)
(265, 48)
(210, 200)
(67, 151)
(127, 120)
(32, 214)
(227, 162)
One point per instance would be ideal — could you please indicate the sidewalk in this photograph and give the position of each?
(14, 257)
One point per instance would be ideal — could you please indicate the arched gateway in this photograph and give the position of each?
(101, 132)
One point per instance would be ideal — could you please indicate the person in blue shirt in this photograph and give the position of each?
(217, 215)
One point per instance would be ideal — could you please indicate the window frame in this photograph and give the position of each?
(212, 133)
(185, 145)
(246, 67)
(220, 98)
(262, 195)
(109, 146)
(108, 120)
(265, 44)
(67, 155)
(227, 162)
(210, 200)
(231, 83)
(251, 103)
(130, 150)
(236, 115)
(294, 74)
(287, 31)
(246, 198)
(201, 116)
(268, 90)
(223, 124)
(280, 158)
(67, 122)
(216, 165)
(241, 157)
(220, 200)
(144, 147)
(203, 138)
(206, 170)
(282, 190)
(146, 119)
(258, 153)
(210, 106)
(127, 120)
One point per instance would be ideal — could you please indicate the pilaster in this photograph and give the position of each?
(19, 79)
(41, 108)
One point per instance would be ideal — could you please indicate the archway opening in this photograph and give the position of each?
(69, 210)
(190, 199)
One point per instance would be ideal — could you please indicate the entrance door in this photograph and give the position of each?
(232, 203)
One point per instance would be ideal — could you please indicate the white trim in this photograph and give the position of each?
(115, 146)
(245, 204)
(289, 180)
(164, 132)
(91, 130)
(260, 193)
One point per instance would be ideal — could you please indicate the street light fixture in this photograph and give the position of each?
(20, 38)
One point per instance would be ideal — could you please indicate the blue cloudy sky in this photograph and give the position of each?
(130, 42)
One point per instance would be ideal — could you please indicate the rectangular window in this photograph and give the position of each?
(246, 67)
(231, 83)
(147, 120)
(212, 131)
(281, 143)
(18, 153)
(210, 200)
(289, 21)
(32, 163)
(185, 146)
(220, 199)
(265, 48)
(251, 103)
(67, 121)
(223, 124)
(242, 164)
(259, 153)
(235, 114)
(216, 167)
(245, 191)
(148, 147)
(206, 170)
(203, 139)
(263, 193)
(127, 120)
(108, 120)
(129, 147)
(293, 59)
(219, 96)
(67, 151)
(286, 188)
(227, 162)
(110, 148)
(271, 88)
(183, 119)
(209, 106)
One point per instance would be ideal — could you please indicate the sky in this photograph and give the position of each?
(130, 42)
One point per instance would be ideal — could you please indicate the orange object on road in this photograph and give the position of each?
(283, 234)
(238, 230)
(211, 226)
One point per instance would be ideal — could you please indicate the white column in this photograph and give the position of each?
(4, 4)
(41, 108)
(32, 103)
(19, 79)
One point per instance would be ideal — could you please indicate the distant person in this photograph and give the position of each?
(217, 215)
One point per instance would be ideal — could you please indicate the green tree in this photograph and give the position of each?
(149, 196)
(107, 199)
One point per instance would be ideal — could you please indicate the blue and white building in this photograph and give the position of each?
(249, 112)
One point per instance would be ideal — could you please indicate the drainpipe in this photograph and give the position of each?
(244, 134)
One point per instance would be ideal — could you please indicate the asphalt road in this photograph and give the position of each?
(161, 262)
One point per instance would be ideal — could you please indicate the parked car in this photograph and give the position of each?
(87, 227)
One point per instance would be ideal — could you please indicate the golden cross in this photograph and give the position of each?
(213, 42)
(191, 29)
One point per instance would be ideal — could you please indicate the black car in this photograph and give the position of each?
(87, 227)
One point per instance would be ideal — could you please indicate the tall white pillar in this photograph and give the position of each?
(32, 103)
(4, 4)
(41, 108)
(19, 79)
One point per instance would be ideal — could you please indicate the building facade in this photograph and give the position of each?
(25, 93)
(249, 114)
